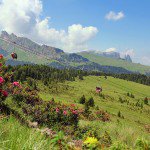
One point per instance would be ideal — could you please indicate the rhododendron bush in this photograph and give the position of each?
(4, 78)
(7, 85)
(26, 98)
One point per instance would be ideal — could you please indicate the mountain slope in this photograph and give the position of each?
(115, 62)
(33, 53)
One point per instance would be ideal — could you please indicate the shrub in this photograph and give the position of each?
(86, 110)
(132, 96)
(102, 95)
(121, 100)
(146, 100)
(139, 104)
(103, 116)
(82, 100)
(119, 146)
(106, 139)
(91, 102)
(81, 77)
(142, 144)
(119, 114)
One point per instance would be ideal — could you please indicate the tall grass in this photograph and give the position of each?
(14, 136)
(119, 132)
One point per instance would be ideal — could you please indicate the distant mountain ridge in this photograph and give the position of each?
(111, 54)
(30, 52)
(44, 50)
(111, 61)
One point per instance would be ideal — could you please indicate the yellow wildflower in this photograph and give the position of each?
(90, 141)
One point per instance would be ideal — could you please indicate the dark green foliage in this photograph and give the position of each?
(87, 109)
(81, 77)
(91, 102)
(146, 100)
(97, 108)
(18, 98)
(122, 100)
(130, 95)
(139, 78)
(82, 100)
(102, 95)
(32, 83)
(139, 104)
(106, 139)
(48, 74)
(119, 114)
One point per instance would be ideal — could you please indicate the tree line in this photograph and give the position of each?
(49, 74)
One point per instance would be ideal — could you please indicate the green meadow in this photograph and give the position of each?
(126, 129)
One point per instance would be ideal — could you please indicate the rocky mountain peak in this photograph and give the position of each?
(128, 58)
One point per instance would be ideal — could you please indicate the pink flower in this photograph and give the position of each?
(65, 112)
(2, 80)
(5, 93)
(1, 56)
(75, 112)
(72, 105)
(16, 84)
(1, 64)
(57, 110)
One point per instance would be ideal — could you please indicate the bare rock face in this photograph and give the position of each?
(30, 46)
(128, 58)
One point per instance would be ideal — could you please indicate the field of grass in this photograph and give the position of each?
(127, 129)
(135, 118)
(14, 136)
(115, 62)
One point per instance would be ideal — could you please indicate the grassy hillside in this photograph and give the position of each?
(126, 130)
(115, 62)
(23, 55)
(15, 136)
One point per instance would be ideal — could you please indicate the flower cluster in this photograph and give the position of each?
(6, 87)
(91, 142)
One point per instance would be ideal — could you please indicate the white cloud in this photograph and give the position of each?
(114, 16)
(145, 60)
(112, 49)
(23, 18)
(130, 52)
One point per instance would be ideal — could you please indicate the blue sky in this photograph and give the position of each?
(131, 32)
(77, 25)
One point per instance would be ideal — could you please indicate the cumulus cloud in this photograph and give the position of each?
(130, 52)
(24, 19)
(114, 16)
(112, 49)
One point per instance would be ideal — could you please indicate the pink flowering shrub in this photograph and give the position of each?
(6, 86)
(25, 97)
(3, 92)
